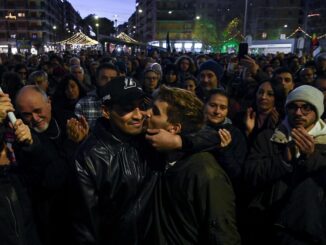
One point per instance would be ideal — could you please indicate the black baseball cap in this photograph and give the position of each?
(121, 91)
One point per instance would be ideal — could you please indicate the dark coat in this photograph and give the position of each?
(288, 204)
(230, 158)
(16, 218)
(49, 174)
(194, 203)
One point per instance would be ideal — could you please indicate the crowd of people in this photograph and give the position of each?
(162, 148)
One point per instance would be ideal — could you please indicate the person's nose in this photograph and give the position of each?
(138, 114)
(36, 117)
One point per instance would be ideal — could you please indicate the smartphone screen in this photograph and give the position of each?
(243, 50)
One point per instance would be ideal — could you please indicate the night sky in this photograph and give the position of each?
(105, 8)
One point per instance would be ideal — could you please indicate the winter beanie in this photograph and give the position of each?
(212, 66)
(308, 94)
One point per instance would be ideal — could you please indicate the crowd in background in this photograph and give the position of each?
(52, 177)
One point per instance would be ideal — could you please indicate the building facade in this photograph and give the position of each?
(269, 19)
(34, 24)
(273, 19)
(315, 17)
(153, 20)
(266, 19)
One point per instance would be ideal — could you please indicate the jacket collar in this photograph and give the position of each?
(281, 134)
(106, 133)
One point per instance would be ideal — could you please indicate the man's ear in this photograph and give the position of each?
(105, 112)
(174, 128)
(49, 103)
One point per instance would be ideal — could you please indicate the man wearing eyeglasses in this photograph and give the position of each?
(286, 172)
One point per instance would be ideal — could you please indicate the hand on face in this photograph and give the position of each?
(162, 140)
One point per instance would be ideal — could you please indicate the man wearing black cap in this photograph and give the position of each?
(111, 169)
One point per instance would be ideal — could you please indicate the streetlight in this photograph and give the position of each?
(116, 24)
(97, 25)
(245, 19)
(197, 17)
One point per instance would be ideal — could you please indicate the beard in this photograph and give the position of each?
(41, 130)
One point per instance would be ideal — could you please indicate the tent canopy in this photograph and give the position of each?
(124, 37)
(79, 38)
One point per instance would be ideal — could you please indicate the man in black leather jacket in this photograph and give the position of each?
(112, 171)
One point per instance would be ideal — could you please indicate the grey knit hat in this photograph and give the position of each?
(308, 94)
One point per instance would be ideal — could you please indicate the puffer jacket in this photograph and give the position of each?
(112, 174)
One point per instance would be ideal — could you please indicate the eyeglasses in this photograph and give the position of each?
(304, 108)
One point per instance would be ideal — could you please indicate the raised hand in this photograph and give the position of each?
(304, 141)
(5, 106)
(250, 120)
(77, 129)
(250, 64)
(274, 118)
(23, 132)
(225, 136)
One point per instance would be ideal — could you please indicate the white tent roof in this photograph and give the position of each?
(79, 38)
(124, 37)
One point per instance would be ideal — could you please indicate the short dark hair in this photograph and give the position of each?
(183, 108)
(106, 66)
(282, 70)
(216, 91)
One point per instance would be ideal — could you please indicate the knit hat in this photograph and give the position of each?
(155, 67)
(308, 94)
(212, 66)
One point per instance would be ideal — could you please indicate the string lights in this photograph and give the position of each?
(79, 38)
(297, 30)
